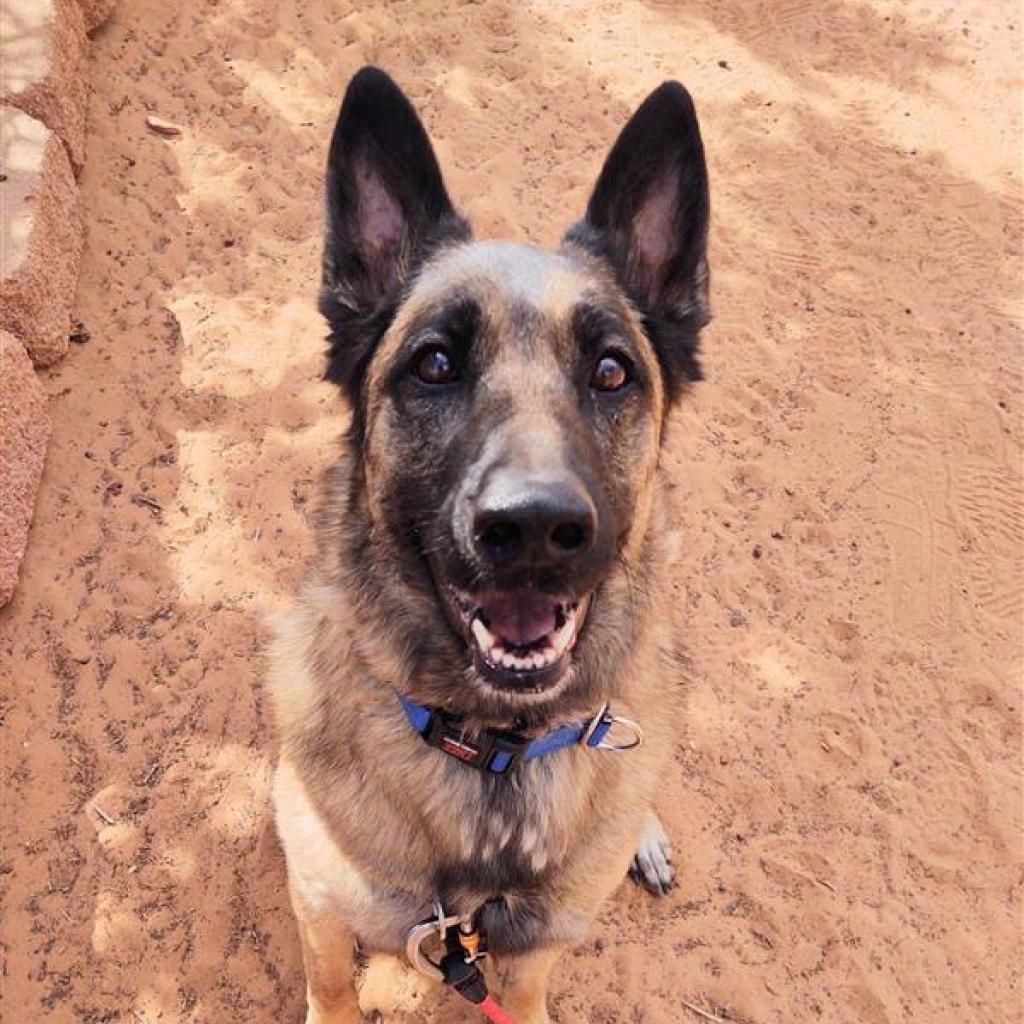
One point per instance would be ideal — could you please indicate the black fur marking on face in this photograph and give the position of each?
(598, 330)
(674, 336)
(452, 322)
(593, 324)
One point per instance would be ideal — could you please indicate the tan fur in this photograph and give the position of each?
(362, 869)
(332, 891)
(524, 985)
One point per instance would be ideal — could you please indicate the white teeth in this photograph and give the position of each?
(509, 660)
(522, 663)
(562, 637)
(483, 635)
(559, 641)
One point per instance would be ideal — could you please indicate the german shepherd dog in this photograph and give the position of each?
(492, 556)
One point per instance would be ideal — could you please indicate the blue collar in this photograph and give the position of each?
(495, 751)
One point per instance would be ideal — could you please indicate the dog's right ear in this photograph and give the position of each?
(387, 208)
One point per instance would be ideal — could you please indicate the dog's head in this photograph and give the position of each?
(508, 405)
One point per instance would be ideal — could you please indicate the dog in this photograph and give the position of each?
(488, 610)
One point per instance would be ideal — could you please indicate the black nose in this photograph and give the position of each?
(543, 522)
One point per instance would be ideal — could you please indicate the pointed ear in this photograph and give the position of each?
(387, 208)
(648, 218)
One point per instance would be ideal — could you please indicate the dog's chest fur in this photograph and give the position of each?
(467, 838)
(517, 833)
(514, 828)
(477, 830)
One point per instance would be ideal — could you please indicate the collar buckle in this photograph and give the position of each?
(492, 751)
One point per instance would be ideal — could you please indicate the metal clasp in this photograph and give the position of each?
(491, 750)
(419, 934)
(606, 718)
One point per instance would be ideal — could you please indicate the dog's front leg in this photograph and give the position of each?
(328, 951)
(524, 984)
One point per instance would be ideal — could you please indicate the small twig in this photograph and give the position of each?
(828, 885)
(103, 814)
(151, 774)
(145, 499)
(168, 129)
(703, 1013)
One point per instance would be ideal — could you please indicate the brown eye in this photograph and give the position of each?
(610, 373)
(434, 366)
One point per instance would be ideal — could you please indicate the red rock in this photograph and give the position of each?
(96, 12)
(24, 430)
(44, 54)
(40, 237)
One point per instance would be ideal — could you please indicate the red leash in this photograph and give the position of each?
(493, 1012)
(467, 979)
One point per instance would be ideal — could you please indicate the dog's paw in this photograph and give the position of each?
(652, 865)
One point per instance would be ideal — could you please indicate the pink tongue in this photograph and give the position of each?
(521, 618)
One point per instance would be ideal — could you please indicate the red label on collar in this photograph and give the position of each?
(463, 751)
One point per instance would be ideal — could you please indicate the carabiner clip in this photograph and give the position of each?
(419, 934)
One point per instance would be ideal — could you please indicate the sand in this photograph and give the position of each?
(847, 805)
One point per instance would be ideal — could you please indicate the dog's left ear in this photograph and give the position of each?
(648, 218)
(387, 208)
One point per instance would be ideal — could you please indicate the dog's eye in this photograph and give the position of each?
(434, 366)
(610, 373)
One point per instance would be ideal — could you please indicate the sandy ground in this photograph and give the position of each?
(847, 807)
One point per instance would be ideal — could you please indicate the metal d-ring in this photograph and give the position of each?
(628, 723)
(603, 715)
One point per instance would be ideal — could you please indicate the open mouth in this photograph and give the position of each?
(521, 638)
